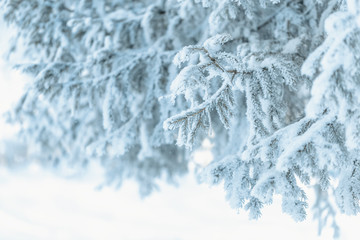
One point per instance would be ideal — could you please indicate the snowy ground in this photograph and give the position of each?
(35, 204)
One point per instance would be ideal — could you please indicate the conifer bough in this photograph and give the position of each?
(138, 85)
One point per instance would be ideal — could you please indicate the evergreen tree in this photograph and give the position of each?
(138, 85)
